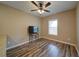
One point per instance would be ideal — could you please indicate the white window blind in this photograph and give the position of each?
(52, 27)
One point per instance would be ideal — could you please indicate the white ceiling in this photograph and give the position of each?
(56, 6)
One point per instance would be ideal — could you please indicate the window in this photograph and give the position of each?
(52, 27)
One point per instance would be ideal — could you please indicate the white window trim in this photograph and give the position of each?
(49, 27)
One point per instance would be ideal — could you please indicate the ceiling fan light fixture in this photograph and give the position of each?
(41, 11)
(41, 7)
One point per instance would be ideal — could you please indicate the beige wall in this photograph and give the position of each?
(14, 23)
(2, 46)
(77, 13)
(66, 26)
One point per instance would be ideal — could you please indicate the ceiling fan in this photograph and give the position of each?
(41, 7)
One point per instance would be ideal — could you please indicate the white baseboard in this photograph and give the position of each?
(59, 41)
(17, 45)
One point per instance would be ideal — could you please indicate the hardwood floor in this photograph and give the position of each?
(43, 48)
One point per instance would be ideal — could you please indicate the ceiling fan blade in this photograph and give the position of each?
(46, 10)
(34, 10)
(48, 4)
(40, 4)
(34, 3)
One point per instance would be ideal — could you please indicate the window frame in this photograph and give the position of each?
(49, 27)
